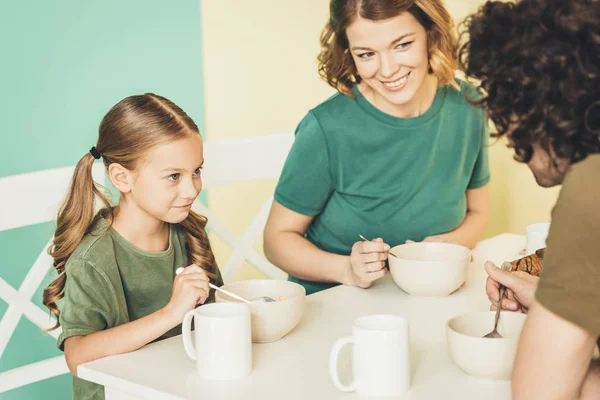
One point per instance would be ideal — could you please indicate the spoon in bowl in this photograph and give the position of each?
(367, 240)
(262, 299)
(494, 334)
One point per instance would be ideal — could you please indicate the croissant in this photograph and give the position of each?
(531, 264)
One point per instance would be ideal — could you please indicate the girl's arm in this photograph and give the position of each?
(190, 288)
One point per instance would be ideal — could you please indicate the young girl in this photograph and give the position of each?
(116, 269)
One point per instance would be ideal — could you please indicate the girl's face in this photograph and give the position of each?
(391, 57)
(168, 180)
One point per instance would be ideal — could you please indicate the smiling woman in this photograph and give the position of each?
(398, 154)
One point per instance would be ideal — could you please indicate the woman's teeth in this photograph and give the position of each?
(397, 83)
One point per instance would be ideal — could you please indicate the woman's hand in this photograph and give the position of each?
(367, 262)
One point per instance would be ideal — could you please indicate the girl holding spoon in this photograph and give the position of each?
(116, 268)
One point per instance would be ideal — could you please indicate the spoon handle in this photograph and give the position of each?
(235, 296)
(367, 240)
(499, 306)
(506, 267)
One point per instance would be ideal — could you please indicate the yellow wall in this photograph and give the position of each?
(260, 75)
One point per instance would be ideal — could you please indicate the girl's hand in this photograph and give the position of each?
(367, 262)
(190, 288)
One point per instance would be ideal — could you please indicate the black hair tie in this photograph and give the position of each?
(95, 153)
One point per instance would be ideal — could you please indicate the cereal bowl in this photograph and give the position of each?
(484, 358)
(429, 269)
(270, 321)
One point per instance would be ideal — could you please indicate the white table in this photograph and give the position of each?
(296, 367)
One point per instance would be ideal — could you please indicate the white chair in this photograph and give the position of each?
(30, 199)
(34, 198)
(236, 161)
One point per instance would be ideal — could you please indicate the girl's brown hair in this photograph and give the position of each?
(127, 132)
(336, 65)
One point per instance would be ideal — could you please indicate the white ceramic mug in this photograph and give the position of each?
(536, 237)
(380, 356)
(223, 347)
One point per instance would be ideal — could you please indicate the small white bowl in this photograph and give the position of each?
(485, 358)
(429, 269)
(270, 321)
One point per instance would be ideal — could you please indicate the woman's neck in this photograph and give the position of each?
(143, 231)
(418, 105)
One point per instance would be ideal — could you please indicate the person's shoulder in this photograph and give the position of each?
(580, 180)
(94, 249)
(461, 101)
(465, 95)
(333, 107)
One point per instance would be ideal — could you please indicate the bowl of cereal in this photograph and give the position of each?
(271, 321)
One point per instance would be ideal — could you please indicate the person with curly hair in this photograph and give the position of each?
(397, 154)
(538, 63)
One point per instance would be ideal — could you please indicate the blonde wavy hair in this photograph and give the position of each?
(336, 65)
(128, 131)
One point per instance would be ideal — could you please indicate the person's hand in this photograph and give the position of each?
(520, 288)
(190, 288)
(367, 262)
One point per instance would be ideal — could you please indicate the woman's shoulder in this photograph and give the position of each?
(463, 101)
(466, 95)
(335, 104)
(338, 110)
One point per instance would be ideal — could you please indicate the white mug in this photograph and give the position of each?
(536, 237)
(380, 356)
(223, 336)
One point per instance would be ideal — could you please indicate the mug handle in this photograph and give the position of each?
(333, 361)
(186, 334)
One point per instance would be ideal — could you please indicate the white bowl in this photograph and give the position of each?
(429, 269)
(270, 321)
(485, 358)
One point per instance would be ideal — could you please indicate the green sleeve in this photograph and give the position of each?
(89, 304)
(481, 171)
(305, 183)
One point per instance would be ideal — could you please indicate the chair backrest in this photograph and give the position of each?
(34, 198)
(30, 199)
(236, 161)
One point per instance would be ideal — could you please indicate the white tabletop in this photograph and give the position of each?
(296, 367)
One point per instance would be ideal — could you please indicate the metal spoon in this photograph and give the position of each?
(367, 240)
(262, 299)
(494, 334)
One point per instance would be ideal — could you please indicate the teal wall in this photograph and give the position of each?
(63, 65)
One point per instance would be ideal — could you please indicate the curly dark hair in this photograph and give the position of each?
(539, 66)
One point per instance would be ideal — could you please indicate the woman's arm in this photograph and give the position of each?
(286, 247)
